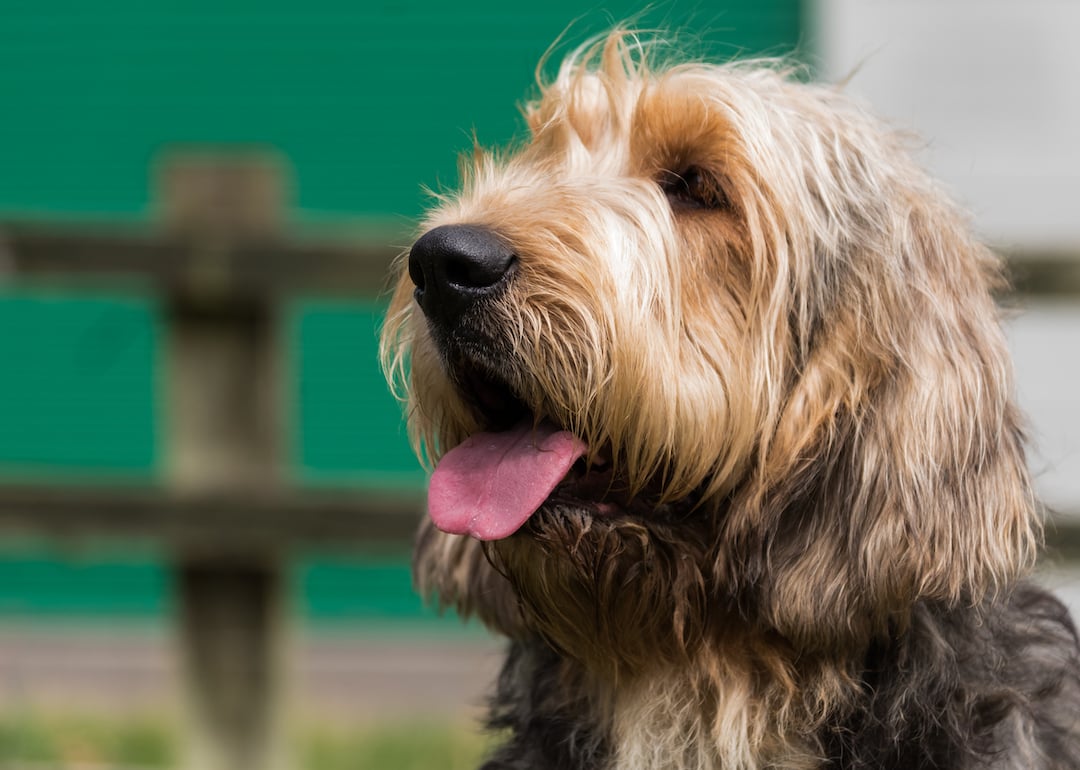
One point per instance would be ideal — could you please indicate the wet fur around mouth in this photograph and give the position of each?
(594, 484)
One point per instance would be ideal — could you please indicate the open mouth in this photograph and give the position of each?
(494, 403)
(488, 486)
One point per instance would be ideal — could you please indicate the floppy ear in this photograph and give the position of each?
(896, 472)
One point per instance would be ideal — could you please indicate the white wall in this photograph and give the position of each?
(1045, 341)
(992, 85)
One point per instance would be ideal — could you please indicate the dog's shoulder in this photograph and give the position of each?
(992, 686)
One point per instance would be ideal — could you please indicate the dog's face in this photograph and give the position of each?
(708, 348)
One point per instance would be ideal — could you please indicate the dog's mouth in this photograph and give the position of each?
(493, 482)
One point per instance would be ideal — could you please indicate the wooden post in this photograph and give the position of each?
(224, 432)
(233, 641)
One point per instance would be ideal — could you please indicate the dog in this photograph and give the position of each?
(720, 413)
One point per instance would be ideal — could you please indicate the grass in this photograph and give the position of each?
(397, 747)
(63, 741)
(85, 740)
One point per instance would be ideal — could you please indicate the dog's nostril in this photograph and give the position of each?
(477, 269)
(453, 266)
(416, 273)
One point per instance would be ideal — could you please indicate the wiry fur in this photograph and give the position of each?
(806, 397)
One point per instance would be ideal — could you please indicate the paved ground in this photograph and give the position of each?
(396, 678)
(348, 676)
(353, 677)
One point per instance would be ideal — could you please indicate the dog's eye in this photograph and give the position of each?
(693, 188)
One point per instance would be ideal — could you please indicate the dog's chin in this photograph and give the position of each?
(617, 591)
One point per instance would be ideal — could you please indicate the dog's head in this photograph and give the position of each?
(707, 352)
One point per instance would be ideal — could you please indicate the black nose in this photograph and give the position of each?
(455, 266)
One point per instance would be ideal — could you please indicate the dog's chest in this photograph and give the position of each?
(679, 721)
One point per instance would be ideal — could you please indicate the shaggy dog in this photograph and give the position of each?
(720, 416)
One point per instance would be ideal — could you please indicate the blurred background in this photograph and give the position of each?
(206, 492)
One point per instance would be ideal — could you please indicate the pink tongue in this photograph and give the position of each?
(491, 483)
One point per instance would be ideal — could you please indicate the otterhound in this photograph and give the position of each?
(723, 438)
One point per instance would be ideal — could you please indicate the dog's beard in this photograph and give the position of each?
(616, 593)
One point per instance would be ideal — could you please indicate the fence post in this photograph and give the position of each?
(224, 428)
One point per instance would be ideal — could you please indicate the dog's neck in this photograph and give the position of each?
(721, 711)
(659, 722)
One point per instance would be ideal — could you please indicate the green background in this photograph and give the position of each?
(367, 100)
(368, 103)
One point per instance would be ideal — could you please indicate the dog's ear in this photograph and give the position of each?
(896, 471)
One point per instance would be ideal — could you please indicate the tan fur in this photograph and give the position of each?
(819, 367)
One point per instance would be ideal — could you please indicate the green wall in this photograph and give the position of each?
(369, 102)
(347, 427)
(83, 382)
(77, 394)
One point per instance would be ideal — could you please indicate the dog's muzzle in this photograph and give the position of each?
(454, 267)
